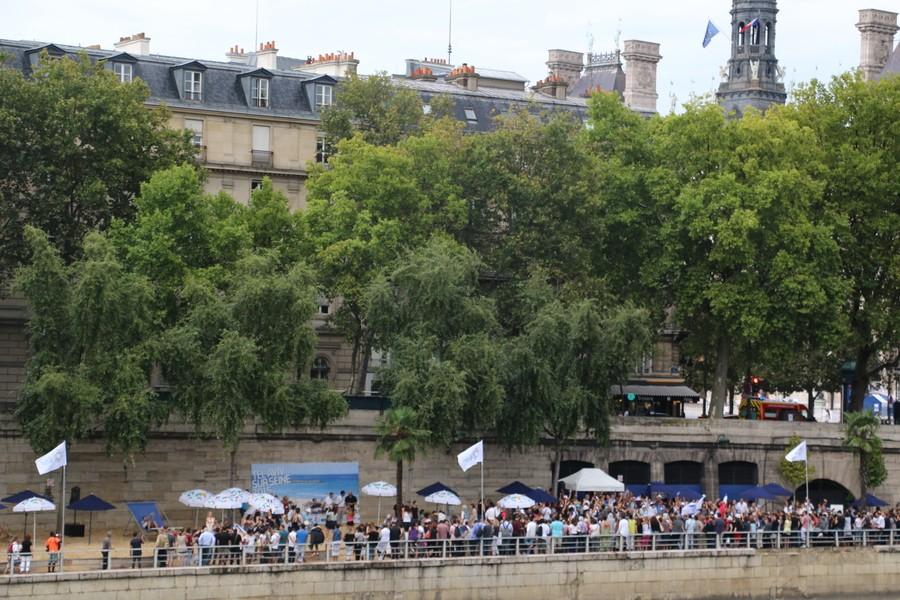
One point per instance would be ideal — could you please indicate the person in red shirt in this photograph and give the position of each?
(53, 544)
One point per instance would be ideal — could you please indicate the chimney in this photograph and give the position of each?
(236, 54)
(464, 76)
(137, 44)
(424, 74)
(878, 28)
(267, 56)
(553, 86)
(566, 64)
(339, 65)
(641, 59)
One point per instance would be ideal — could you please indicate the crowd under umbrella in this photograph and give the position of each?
(516, 501)
(90, 504)
(19, 497)
(444, 497)
(195, 499)
(33, 505)
(229, 499)
(379, 489)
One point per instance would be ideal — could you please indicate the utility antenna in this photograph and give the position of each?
(450, 36)
(256, 30)
(619, 35)
(590, 41)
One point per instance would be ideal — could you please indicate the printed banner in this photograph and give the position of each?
(305, 482)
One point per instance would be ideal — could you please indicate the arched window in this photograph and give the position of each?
(754, 35)
(742, 35)
(684, 472)
(633, 472)
(769, 35)
(320, 368)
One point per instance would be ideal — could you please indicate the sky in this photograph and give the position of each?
(814, 39)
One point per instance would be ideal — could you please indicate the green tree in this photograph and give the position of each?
(441, 335)
(743, 252)
(382, 112)
(861, 436)
(855, 126)
(400, 438)
(77, 146)
(795, 473)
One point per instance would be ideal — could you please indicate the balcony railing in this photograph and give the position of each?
(261, 159)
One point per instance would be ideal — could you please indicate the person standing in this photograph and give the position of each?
(13, 552)
(162, 548)
(137, 541)
(206, 541)
(105, 547)
(53, 545)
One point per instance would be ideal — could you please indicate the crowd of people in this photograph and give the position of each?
(576, 523)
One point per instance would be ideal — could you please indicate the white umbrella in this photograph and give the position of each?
(380, 489)
(195, 498)
(515, 501)
(444, 497)
(230, 498)
(34, 505)
(266, 503)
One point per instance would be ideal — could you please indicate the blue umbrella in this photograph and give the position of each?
(2, 506)
(870, 501)
(434, 488)
(760, 493)
(541, 497)
(516, 487)
(22, 496)
(776, 489)
(90, 504)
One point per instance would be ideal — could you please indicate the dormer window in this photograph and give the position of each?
(123, 72)
(259, 92)
(193, 85)
(324, 95)
(471, 117)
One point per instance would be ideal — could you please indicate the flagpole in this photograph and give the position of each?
(62, 537)
(483, 509)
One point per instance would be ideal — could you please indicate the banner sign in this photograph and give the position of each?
(303, 482)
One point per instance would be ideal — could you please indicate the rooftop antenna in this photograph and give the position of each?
(619, 35)
(590, 41)
(450, 36)
(256, 30)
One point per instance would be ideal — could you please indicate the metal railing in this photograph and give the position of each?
(485, 548)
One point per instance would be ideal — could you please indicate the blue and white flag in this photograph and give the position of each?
(711, 32)
(692, 508)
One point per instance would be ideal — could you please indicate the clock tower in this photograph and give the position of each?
(752, 77)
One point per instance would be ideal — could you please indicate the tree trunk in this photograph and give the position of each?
(862, 481)
(359, 376)
(398, 508)
(232, 466)
(557, 458)
(860, 379)
(810, 403)
(720, 381)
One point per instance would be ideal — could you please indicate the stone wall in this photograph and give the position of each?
(819, 574)
(175, 461)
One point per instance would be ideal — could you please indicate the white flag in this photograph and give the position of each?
(692, 508)
(53, 460)
(798, 454)
(472, 456)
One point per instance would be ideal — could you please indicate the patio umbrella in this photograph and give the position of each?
(33, 505)
(516, 487)
(23, 495)
(759, 493)
(871, 500)
(515, 501)
(379, 489)
(230, 498)
(195, 499)
(90, 504)
(443, 497)
(266, 503)
(778, 490)
(435, 487)
(541, 497)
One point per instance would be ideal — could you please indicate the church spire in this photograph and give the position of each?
(753, 76)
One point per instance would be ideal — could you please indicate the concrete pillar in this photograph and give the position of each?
(711, 475)
(877, 29)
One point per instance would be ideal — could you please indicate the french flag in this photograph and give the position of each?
(750, 25)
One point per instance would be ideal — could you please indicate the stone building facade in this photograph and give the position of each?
(877, 55)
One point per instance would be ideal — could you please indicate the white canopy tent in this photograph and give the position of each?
(592, 480)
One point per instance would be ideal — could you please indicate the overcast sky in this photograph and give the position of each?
(815, 38)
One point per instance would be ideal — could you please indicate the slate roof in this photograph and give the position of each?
(222, 88)
(608, 80)
(893, 64)
(489, 103)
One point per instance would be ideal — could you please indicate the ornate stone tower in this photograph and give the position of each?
(878, 28)
(753, 77)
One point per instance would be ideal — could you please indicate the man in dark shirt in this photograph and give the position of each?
(396, 533)
(137, 540)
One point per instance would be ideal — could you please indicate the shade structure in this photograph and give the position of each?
(380, 489)
(671, 490)
(435, 487)
(266, 503)
(90, 504)
(778, 490)
(33, 505)
(541, 497)
(516, 487)
(871, 501)
(23, 495)
(515, 501)
(230, 498)
(443, 497)
(592, 480)
(195, 498)
(759, 493)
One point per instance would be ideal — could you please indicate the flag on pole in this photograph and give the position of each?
(798, 454)
(711, 32)
(692, 508)
(52, 461)
(750, 25)
(471, 456)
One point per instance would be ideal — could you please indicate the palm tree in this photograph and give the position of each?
(861, 435)
(398, 438)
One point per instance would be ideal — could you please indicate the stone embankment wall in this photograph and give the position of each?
(819, 574)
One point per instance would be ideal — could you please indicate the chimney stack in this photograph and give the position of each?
(267, 56)
(641, 59)
(553, 86)
(566, 64)
(878, 28)
(236, 54)
(464, 76)
(137, 44)
(334, 64)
